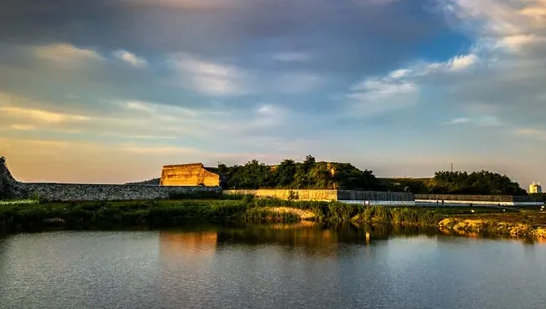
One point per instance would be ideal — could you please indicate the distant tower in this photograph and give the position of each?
(535, 188)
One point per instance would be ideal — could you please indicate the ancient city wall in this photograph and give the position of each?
(326, 195)
(12, 189)
(98, 192)
(353, 195)
(188, 175)
(477, 198)
(285, 194)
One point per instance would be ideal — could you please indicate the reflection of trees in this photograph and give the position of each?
(309, 237)
(314, 235)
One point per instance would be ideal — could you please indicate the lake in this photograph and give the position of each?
(276, 266)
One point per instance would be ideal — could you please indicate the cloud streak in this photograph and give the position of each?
(67, 54)
(130, 58)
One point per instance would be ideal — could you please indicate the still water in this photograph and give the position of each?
(279, 266)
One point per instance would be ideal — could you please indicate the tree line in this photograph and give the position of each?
(308, 174)
(444, 182)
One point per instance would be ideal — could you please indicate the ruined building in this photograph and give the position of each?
(194, 174)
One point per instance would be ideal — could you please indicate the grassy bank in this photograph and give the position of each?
(156, 214)
(527, 223)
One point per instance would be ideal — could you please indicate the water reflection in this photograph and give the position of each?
(311, 238)
(269, 266)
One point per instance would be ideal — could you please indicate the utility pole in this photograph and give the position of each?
(452, 167)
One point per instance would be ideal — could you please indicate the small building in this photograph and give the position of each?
(535, 188)
(193, 174)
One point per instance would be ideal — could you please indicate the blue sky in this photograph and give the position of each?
(110, 90)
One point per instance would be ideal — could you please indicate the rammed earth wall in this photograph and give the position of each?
(327, 195)
(12, 189)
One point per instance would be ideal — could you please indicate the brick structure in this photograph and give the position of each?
(194, 174)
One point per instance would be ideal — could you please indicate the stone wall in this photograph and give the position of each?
(353, 195)
(9, 187)
(477, 198)
(327, 195)
(284, 194)
(188, 175)
(98, 192)
(89, 192)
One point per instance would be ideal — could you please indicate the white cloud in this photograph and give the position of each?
(40, 115)
(462, 62)
(222, 80)
(293, 57)
(210, 78)
(518, 43)
(399, 73)
(483, 121)
(131, 58)
(159, 150)
(455, 64)
(374, 87)
(460, 120)
(23, 127)
(513, 24)
(374, 96)
(269, 115)
(139, 106)
(532, 133)
(63, 53)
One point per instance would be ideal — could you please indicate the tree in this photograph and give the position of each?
(284, 174)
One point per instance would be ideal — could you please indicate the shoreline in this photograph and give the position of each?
(464, 221)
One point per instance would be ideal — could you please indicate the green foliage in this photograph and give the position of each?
(339, 212)
(483, 182)
(414, 185)
(397, 215)
(308, 174)
(475, 183)
(196, 195)
(155, 214)
(34, 196)
(257, 215)
(293, 195)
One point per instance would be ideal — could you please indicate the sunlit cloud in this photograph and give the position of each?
(461, 120)
(375, 96)
(23, 127)
(484, 121)
(63, 53)
(40, 115)
(532, 133)
(130, 58)
(209, 78)
(139, 106)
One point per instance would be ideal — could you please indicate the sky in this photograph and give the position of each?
(108, 91)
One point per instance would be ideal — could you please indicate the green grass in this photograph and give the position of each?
(153, 214)
(18, 202)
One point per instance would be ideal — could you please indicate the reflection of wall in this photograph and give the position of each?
(193, 244)
(188, 175)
